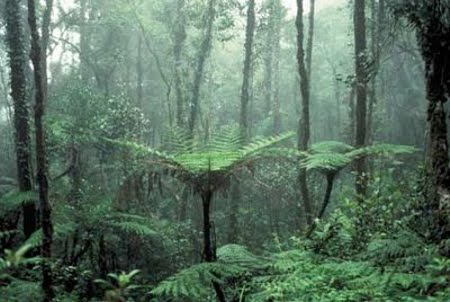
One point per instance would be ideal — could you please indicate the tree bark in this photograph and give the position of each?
(245, 95)
(179, 36)
(310, 43)
(359, 20)
(434, 41)
(205, 48)
(304, 122)
(278, 15)
(18, 62)
(39, 60)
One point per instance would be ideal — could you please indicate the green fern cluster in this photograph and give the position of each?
(234, 261)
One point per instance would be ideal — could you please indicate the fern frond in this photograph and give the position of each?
(236, 254)
(382, 150)
(16, 199)
(177, 140)
(326, 161)
(228, 139)
(331, 147)
(133, 227)
(195, 281)
(259, 145)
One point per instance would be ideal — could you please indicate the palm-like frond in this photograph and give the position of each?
(331, 147)
(228, 139)
(235, 254)
(334, 156)
(326, 161)
(213, 158)
(177, 140)
(194, 282)
(382, 150)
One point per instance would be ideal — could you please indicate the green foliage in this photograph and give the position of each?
(334, 156)
(219, 156)
(15, 199)
(235, 254)
(195, 282)
(20, 291)
(119, 285)
(16, 258)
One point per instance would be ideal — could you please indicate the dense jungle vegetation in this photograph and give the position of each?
(224, 150)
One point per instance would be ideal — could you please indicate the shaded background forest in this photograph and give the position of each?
(197, 80)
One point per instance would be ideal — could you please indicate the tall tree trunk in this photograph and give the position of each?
(434, 40)
(245, 95)
(304, 129)
(203, 54)
(84, 42)
(179, 36)
(139, 74)
(18, 62)
(39, 60)
(268, 58)
(276, 76)
(310, 43)
(243, 123)
(359, 20)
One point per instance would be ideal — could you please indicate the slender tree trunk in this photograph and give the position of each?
(245, 94)
(84, 42)
(268, 59)
(310, 44)
(179, 36)
(326, 201)
(205, 48)
(304, 122)
(277, 18)
(18, 63)
(39, 60)
(139, 74)
(359, 19)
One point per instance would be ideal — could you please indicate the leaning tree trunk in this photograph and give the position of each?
(17, 59)
(39, 60)
(304, 128)
(359, 20)
(205, 48)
